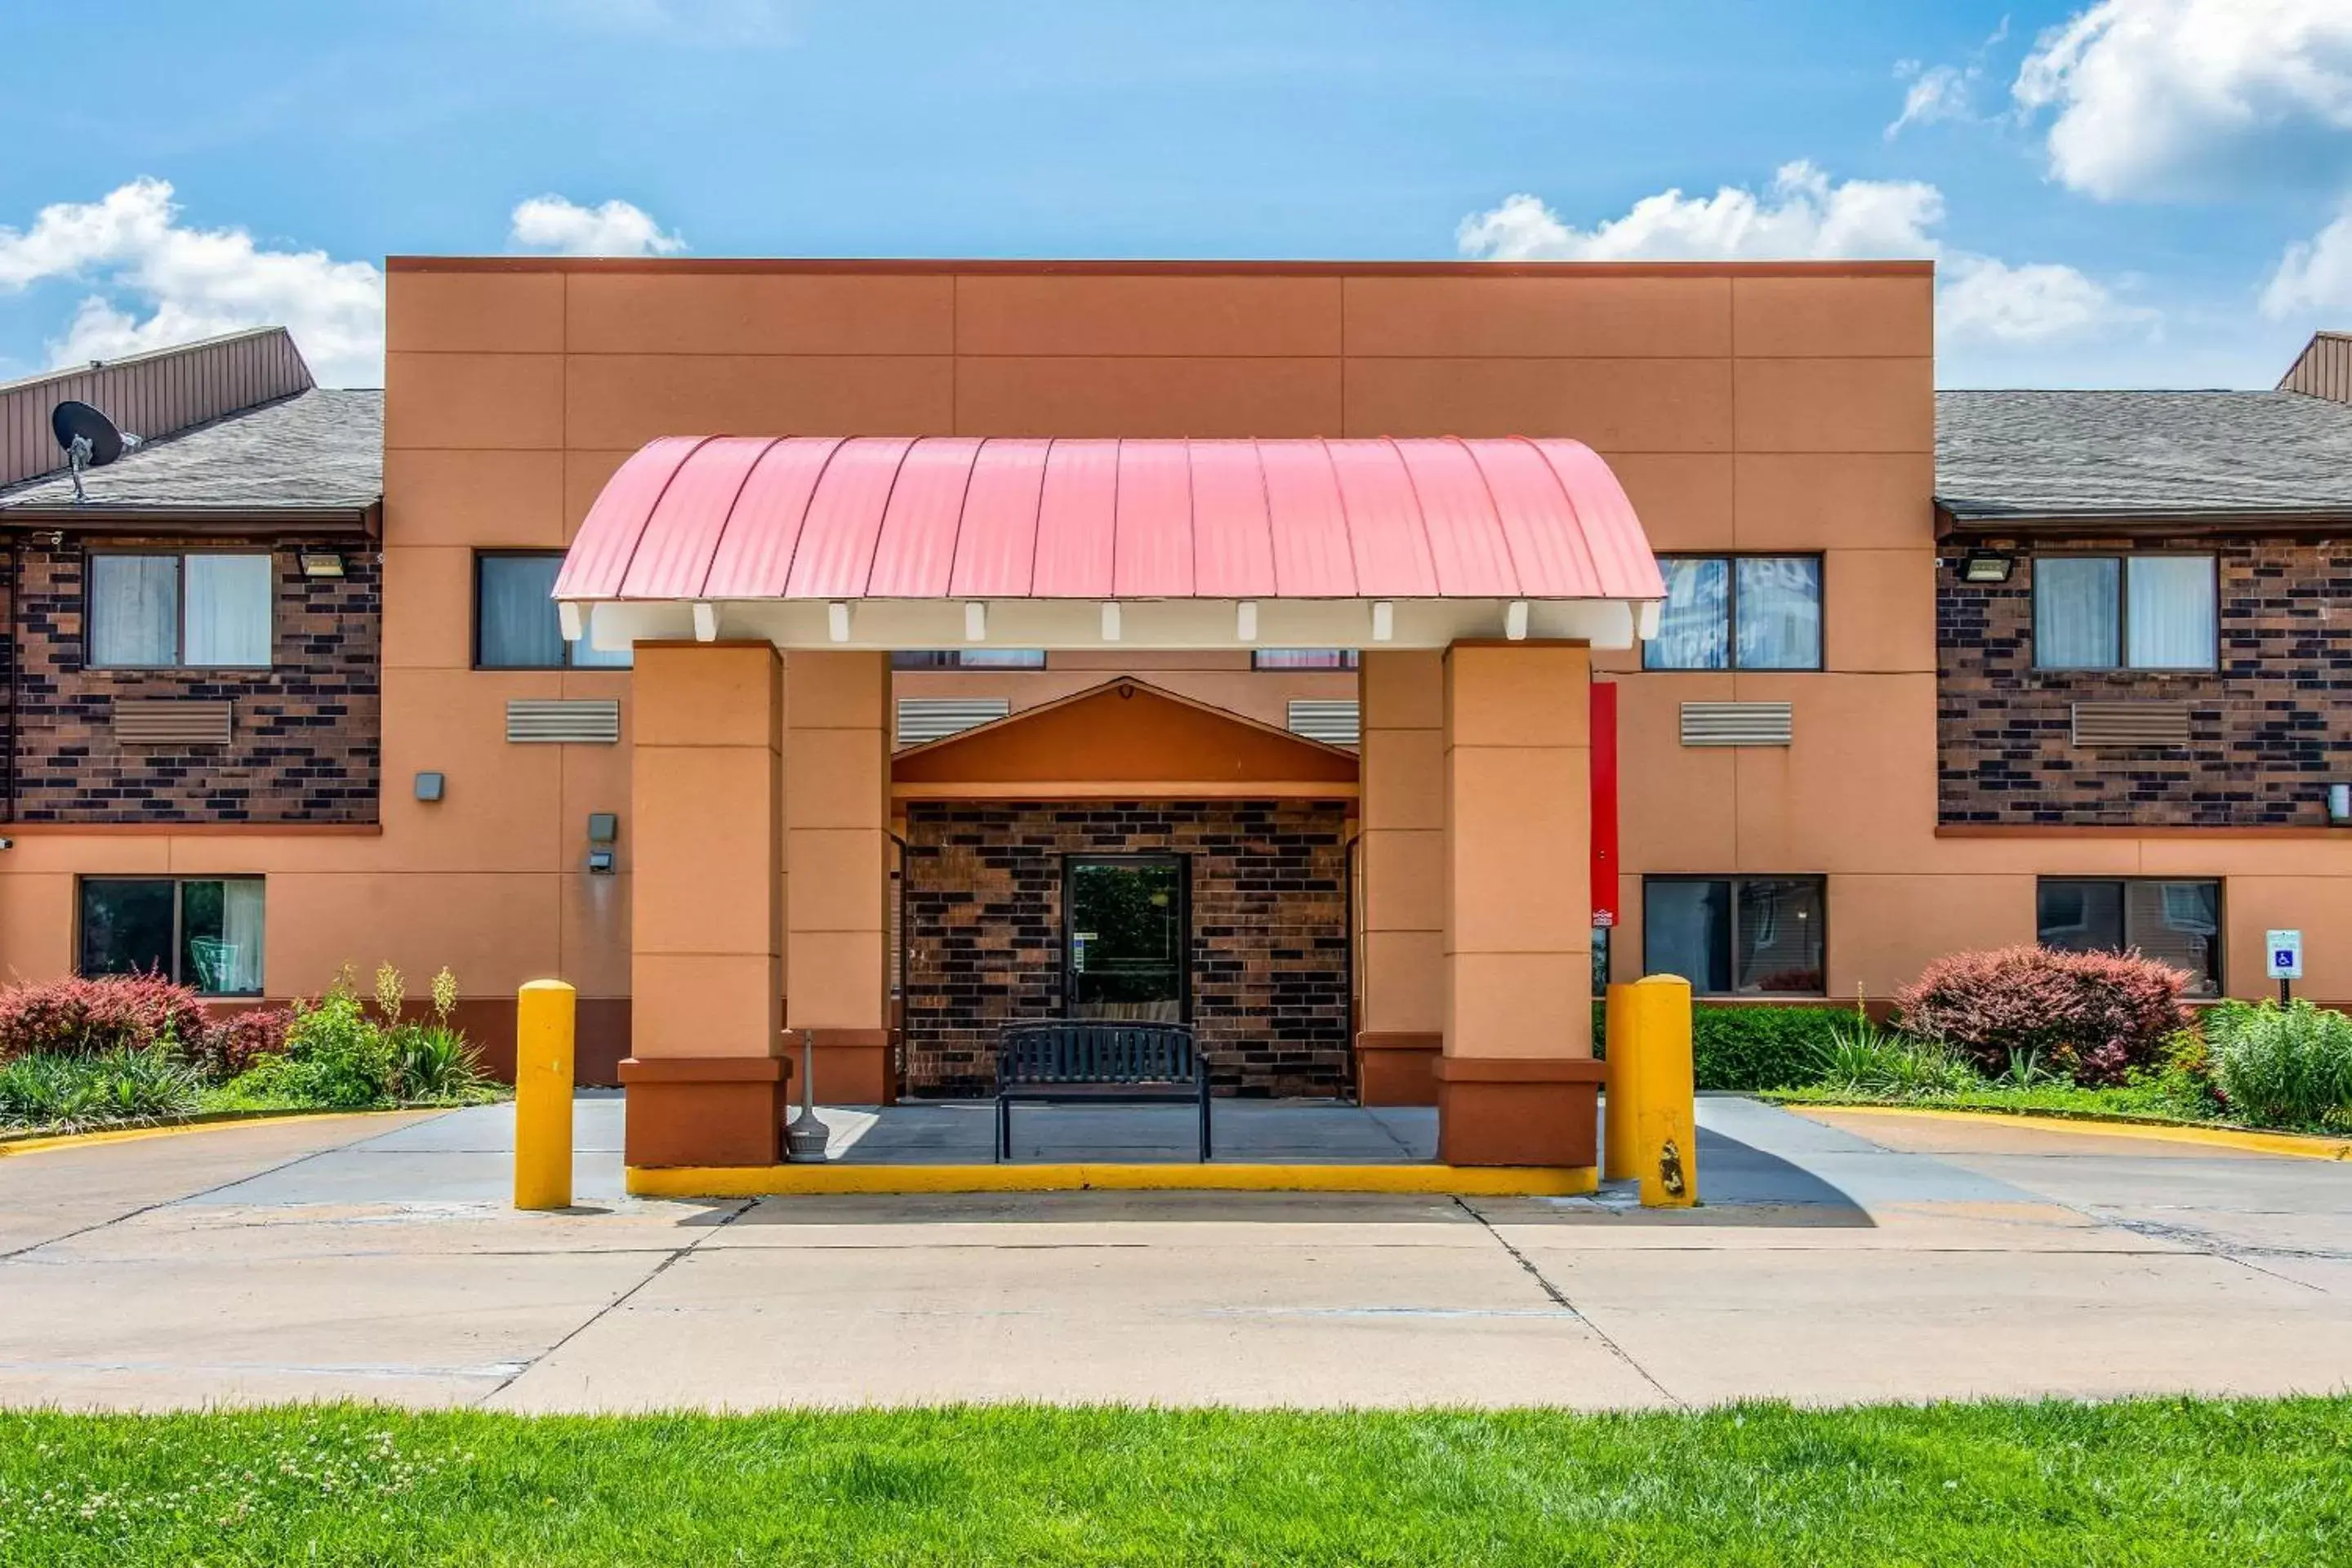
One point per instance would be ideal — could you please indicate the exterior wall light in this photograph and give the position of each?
(430, 786)
(321, 563)
(1987, 567)
(2339, 804)
(603, 831)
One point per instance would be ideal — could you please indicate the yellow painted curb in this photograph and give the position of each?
(771, 1181)
(216, 1124)
(2296, 1144)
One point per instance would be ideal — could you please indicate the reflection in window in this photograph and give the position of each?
(1746, 612)
(1736, 935)
(2174, 921)
(2128, 612)
(204, 932)
(516, 625)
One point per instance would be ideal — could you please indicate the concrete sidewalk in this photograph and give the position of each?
(1847, 1258)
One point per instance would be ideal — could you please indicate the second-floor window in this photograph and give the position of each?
(969, 658)
(515, 622)
(1739, 612)
(2125, 612)
(200, 610)
(1303, 658)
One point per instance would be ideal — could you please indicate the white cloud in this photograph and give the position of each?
(552, 223)
(1804, 216)
(1938, 92)
(2158, 99)
(2316, 274)
(159, 282)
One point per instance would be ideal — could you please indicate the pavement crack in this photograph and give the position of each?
(1560, 1299)
(743, 1208)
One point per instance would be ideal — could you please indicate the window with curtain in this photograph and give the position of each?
(1739, 612)
(2126, 612)
(969, 658)
(1736, 935)
(202, 932)
(2174, 920)
(1302, 658)
(516, 625)
(207, 610)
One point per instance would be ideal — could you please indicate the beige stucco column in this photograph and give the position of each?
(1402, 860)
(837, 779)
(706, 1084)
(1517, 1083)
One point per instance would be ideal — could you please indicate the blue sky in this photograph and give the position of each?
(2119, 192)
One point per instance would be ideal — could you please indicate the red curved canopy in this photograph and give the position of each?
(876, 517)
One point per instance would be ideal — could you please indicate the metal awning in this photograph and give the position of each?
(949, 542)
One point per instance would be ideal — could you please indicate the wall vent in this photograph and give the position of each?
(170, 721)
(2164, 724)
(581, 721)
(1334, 721)
(922, 718)
(1738, 724)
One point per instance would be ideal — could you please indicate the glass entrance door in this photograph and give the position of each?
(1126, 929)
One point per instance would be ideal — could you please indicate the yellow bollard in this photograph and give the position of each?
(1620, 1153)
(1658, 1014)
(544, 1014)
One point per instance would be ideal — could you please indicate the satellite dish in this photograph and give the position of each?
(89, 439)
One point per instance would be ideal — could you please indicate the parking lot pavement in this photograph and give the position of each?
(1839, 1257)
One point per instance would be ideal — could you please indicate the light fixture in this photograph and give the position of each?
(2339, 804)
(604, 827)
(1987, 567)
(321, 563)
(430, 786)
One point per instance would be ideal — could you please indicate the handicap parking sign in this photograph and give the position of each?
(2287, 954)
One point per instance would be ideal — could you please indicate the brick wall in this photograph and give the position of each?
(305, 735)
(1269, 945)
(2269, 729)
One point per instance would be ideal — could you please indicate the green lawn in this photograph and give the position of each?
(2171, 1482)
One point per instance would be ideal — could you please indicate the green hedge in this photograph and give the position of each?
(1752, 1046)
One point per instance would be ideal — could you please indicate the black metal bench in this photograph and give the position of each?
(1072, 1062)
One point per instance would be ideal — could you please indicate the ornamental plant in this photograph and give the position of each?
(2093, 1017)
(2282, 1066)
(77, 1016)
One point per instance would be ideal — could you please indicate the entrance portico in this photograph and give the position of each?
(764, 582)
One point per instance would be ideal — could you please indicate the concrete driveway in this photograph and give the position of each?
(1852, 1258)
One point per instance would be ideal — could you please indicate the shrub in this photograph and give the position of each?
(2282, 1066)
(1760, 1046)
(237, 1042)
(436, 1062)
(335, 1054)
(68, 1090)
(88, 1017)
(2094, 1017)
(1859, 1058)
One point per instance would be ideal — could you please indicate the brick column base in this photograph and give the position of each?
(1505, 1111)
(1397, 1070)
(705, 1110)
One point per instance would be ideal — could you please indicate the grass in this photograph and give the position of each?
(2159, 1481)
(2134, 1104)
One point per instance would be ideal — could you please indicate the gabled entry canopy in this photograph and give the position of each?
(950, 542)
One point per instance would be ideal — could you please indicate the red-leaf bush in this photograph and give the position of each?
(233, 1043)
(88, 1017)
(2092, 1015)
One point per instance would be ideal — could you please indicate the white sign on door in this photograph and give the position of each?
(2286, 954)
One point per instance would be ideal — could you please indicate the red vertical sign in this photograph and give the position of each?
(1604, 803)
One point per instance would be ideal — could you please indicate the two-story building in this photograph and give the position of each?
(1168, 640)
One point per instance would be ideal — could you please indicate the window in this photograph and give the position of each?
(1736, 935)
(2176, 923)
(2125, 612)
(1302, 658)
(196, 611)
(515, 623)
(1739, 612)
(200, 932)
(969, 658)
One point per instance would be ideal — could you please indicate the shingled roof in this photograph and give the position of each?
(314, 457)
(2054, 457)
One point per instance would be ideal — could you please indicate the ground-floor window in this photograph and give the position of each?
(2175, 920)
(1732, 935)
(1127, 929)
(204, 932)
